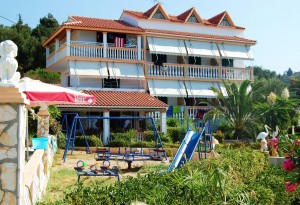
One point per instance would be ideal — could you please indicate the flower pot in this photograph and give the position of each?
(276, 161)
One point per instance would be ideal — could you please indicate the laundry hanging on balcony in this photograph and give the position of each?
(119, 42)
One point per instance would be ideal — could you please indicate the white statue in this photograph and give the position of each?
(8, 63)
(262, 136)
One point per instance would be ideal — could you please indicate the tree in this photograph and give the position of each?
(44, 76)
(289, 72)
(236, 108)
(43, 30)
(259, 72)
(277, 110)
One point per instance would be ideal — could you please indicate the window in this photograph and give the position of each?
(159, 58)
(194, 60)
(158, 15)
(163, 99)
(111, 83)
(225, 22)
(227, 62)
(193, 19)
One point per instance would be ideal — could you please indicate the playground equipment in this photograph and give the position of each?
(189, 144)
(105, 154)
(95, 172)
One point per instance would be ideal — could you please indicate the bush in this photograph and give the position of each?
(219, 136)
(172, 122)
(239, 176)
(61, 141)
(92, 140)
(176, 133)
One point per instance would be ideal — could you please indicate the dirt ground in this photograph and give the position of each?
(89, 159)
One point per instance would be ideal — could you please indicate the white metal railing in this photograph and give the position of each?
(86, 51)
(203, 72)
(57, 55)
(236, 74)
(122, 53)
(87, 43)
(170, 70)
(35, 178)
(199, 72)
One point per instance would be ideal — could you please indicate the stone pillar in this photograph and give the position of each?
(13, 120)
(163, 121)
(43, 131)
(139, 46)
(104, 45)
(106, 128)
(68, 42)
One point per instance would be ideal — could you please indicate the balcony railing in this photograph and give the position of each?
(95, 50)
(200, 72)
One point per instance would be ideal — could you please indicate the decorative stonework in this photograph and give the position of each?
(12, 150)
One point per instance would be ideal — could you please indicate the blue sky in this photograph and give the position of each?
(273, 23)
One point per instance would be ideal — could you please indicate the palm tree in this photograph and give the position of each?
(236, 107)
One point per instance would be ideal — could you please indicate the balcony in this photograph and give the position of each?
(211, 73)
(94, 50)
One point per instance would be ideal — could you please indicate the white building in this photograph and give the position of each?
(173, 58)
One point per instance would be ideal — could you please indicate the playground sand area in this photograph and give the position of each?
(64, 176)
(72, 159)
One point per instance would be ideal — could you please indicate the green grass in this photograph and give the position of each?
(153, 168)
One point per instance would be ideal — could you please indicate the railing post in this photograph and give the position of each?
(163, 121)
(68, 42)
(186, 71)
(139, 44)
(13, 120)
(106, 127)
(104, 44)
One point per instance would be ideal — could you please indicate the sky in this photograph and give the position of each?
(273, 23)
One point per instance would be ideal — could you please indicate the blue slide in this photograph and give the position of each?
(186, 149)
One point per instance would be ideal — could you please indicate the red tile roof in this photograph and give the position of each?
(125, 99)
(197, 35)
(216, 19)
(185, 14)
(80, 21)
(150, 11)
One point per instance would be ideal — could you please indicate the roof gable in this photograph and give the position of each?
(185, 16)
(152, 11)
(217, 20)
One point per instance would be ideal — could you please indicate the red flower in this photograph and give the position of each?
(288, 165)
(290, 187)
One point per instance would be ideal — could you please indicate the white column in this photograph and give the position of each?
(68, 43)
(47, 52)
(104, 45)
(139, 44)
(106, 128)
(163, 121)
(56, 44)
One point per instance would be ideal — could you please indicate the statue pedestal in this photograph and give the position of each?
(13, 120)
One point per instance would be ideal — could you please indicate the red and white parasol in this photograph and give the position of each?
(38, 93)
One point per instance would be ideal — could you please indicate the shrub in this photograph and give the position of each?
(92, 140)
(176, 133)
(172, 122)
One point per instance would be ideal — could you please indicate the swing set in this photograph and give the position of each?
(158, 153)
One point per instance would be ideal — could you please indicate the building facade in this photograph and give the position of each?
(175, 59)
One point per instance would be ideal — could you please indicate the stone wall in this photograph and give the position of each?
(12, 152)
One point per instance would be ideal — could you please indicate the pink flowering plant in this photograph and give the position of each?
(273, 146)
(291, 148)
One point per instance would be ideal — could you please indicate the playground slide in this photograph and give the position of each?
(186, 149)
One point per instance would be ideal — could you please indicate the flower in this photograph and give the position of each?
(285, 94)
(271, 98)
(288, 165)
(290, 187)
